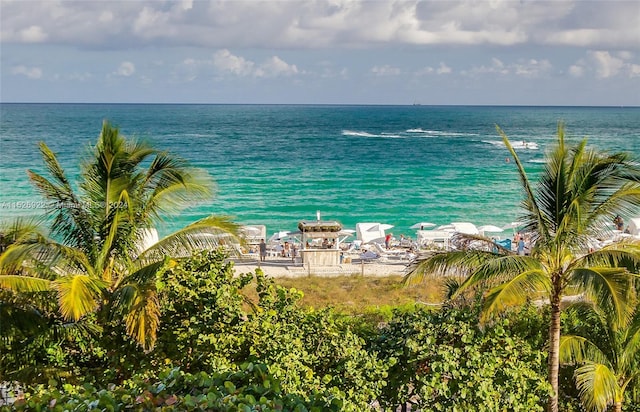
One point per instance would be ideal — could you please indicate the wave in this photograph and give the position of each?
(516, 145)
(367, 134)
(536, 161)
(437, 132)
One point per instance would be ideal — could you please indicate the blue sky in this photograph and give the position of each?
(574, 52)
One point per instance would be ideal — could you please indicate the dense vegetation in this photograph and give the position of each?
(215, 342)
(219, 349)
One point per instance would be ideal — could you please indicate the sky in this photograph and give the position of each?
(467, 52)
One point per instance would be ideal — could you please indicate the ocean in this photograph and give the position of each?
(279, 164)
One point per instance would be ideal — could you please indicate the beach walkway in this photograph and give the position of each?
(283, 267)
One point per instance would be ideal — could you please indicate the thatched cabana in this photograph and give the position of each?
(325, 254)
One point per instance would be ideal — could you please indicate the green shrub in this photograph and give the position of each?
(251, 388)
(444, 362)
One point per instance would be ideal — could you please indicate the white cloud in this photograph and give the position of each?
(125, 69)
(323, 23)
(443, 69)
(33, 34)
(428, 70)
(30, 72)
(496, 67)
(226, 62)
(385, 70)
(577, 70)
(274, 67)
(605, 64)
(532, 68)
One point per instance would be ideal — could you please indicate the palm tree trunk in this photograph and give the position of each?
(554, 347)
(618, 406)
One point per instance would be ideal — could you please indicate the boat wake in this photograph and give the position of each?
(518, 144)
(366, 134)
(407, 133)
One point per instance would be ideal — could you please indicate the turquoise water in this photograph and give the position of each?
(277, 165)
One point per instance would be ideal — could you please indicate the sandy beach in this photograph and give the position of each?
(281, 267)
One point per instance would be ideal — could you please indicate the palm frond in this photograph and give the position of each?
(577, 349)
(459, 263)
(44, 258)
(526, 285)
(205, 234)
(629, 359)
(170, 185)
(623, 254)
(597, 386)
(78, 294)
(531, 204)
(22, 230)
(609, 287)
(22, 284)
(500, 269)
(54, 167)
(136, 298)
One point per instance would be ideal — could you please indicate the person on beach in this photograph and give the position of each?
(619, 223)
(521, 246)
(387, 240)
(263, 250)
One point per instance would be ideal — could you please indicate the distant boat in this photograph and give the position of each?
(417, 103)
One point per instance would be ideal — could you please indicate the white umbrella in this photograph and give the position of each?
(278, 235)
(251, 230)
(490, 228)
(422, 225)
(513, 225)
(378, 227)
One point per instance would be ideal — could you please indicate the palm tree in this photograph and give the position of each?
(578, 194)
(95, 258)
(609, 359)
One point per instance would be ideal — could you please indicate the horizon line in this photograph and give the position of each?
(322, 104)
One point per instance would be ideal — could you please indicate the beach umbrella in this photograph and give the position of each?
(250, 230)
(378, 227)
(422, 225)
(490, 228)
(447, 228)
(278, 235)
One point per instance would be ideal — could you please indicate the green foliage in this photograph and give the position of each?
(251, 388)
(606, 357)
(444, 362)
(312, 351)
(435, 359)
(207, 324)
(202, 308)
